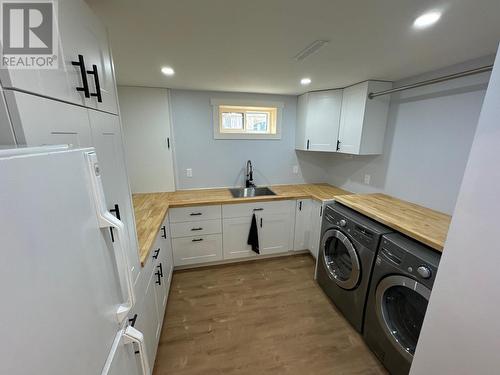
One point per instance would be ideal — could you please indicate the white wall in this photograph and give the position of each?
(145, 115)
(461, 331)
(429, 135)
(219, 163)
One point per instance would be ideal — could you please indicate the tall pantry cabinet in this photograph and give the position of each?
(75, 104)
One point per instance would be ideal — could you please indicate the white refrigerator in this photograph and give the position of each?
(66, 289)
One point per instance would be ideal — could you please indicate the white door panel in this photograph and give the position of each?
(323, 120)
(235, 238)
(62, 287)
(107, 139)
(38, 121)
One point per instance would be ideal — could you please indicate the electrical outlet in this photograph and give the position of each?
(367, 179)
(189, 172)
(295, 169)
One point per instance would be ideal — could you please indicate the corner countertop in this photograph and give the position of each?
(151, 208)
(420, 223)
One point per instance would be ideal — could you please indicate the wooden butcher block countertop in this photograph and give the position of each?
(422, 224)
(150, 208)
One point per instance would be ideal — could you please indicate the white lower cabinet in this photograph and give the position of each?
(315, 220)
(199, 249)
(276, 232)
(275, 225)
(302, 224)
(152, 290)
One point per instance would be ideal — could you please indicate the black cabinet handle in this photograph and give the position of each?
(133, 320)
(116, 211)
(258, 209)
(168, 143)
(338, 145)
(158, 280)
(97, 92)
(161, 269)
(300, 206)
(195, 213)
(157, 251)
(197, 240)
(81, 64)
(164, 229)
(195, 229)
(261, 222)
(308, 144)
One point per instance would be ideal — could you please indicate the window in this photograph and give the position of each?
(232, 120)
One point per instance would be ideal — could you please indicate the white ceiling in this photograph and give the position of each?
(249, 45)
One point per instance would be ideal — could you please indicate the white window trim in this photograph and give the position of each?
(215, 103)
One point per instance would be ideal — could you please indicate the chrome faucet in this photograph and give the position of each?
(249, 175)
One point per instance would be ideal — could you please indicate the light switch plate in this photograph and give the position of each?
(367, 179)
(295, 169)
(189, 172)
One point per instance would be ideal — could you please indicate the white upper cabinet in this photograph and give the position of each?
(363, 120)
(39, 121)
(345, 121)
(318, 120)
(80, 34)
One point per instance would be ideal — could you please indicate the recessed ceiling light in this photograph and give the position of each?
(168, 71)
(427, 19)
(305, 81)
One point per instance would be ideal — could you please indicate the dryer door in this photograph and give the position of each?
(340, 259)
(401, 304)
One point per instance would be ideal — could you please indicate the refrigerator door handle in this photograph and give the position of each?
(107, 220)
(132, 335)
(127, 336)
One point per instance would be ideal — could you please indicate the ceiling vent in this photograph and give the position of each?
(310, 49)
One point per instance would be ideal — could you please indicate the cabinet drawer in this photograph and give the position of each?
(195, 213)
(196, 228)
(199, 249)
(247, 209)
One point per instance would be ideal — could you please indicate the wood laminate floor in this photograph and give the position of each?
(263, 317)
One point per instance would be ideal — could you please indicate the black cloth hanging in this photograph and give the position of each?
(253, 235)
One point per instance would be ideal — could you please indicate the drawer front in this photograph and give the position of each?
(196, 228)
(247, 209)
(195, 213)
(200, 249)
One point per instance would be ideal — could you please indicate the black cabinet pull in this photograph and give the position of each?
(308, 144)
(195, 229)
(97, 92)
(81, 64)
(116, 211)
(195, 213)
(258, 209)
(161, 269)
(158, 280)
(338, 145)
(300, 206)
(197, 240)
(132, 321)
(164, 229)
(261, 222)
(168, 143)
(157, 251)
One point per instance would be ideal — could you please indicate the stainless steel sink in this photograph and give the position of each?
(251, 192)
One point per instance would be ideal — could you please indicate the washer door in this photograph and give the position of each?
(340, 259)
(401, 305)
